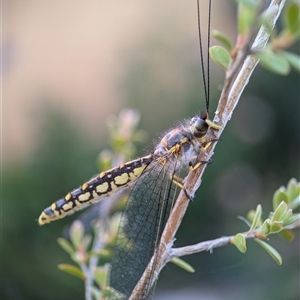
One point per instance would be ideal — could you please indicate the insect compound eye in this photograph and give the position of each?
(199, 128)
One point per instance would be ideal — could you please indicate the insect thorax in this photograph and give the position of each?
(178, 145)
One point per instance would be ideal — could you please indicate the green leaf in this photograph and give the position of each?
(266, 227)
(246, 14)
(293, 59)
(292, 186)
(288, 214)
(182, 264)
(77, 233)
(66, 245)
(287, 235)
(223, 39)
(240, 242)
(279, 212)
(274, 62)
(276, 226)
(75, 271)
(100, 276)
(220, 56)
(257, 218)
(292, 219)
(291, 18)
(274, 254)
(251, 215)
(295, 203)
(104, 253)
(279, 196)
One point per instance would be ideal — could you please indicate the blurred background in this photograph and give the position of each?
(68, 66)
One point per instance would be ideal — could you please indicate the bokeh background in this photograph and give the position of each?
(69, 65)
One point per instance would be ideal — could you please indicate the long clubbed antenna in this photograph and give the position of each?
(205, 84)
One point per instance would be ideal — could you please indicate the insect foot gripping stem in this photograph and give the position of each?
(196, 165)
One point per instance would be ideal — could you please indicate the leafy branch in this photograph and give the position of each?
(93, 254)
(238, 71)
(238, 240)
(280, 222)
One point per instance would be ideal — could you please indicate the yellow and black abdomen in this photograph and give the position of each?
(95, 189)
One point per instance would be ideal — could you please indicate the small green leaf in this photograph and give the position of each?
(104, 253)
(292, 186)
(279, 212)
(274, 62)
(223, 39)
(286, 234)
(71, 270)
(240, 242)
(293, 59)
(220, 56)
(77, 233)
(276, 226)
(295, 203)
(274, 254)
(182, 264)
(100, 276)
(246, 14)
(292, 219)
(66, 245)
(266, 227)
(291, 18)
(257, 218)
(279, 196)
(251, 215)
(288, 214)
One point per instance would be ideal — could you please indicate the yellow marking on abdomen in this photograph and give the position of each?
(84, 197)
(121, 179)
(138, 171)
(84, 186)
(102, 188)
(68, 196)
(67, 206)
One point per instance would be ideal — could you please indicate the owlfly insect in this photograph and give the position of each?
(154, 181)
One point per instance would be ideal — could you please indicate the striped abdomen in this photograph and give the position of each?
(95, 189)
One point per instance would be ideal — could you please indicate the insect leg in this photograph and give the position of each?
(179, 182)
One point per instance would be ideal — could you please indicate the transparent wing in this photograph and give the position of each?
(142, 224)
